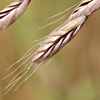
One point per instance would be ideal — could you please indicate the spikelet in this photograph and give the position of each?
(12, 12)
(63, 34)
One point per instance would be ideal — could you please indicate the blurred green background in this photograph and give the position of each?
(72, 74)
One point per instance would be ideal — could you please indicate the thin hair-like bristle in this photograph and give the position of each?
(63, 11)
(69, 9)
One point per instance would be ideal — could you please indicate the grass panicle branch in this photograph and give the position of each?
(56, 40)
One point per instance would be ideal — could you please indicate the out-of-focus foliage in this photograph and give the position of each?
(72, 74)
